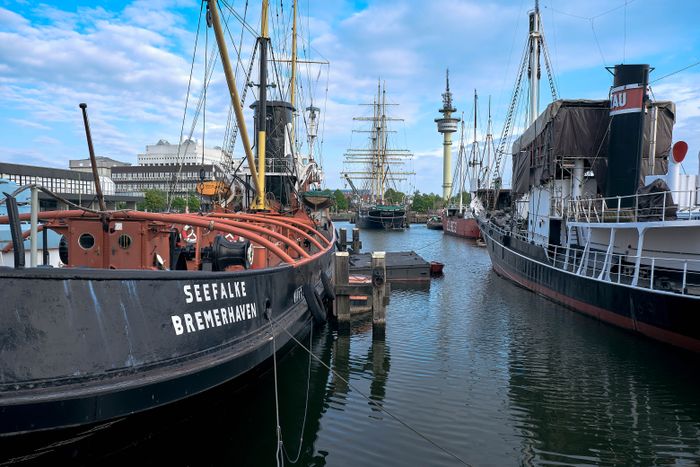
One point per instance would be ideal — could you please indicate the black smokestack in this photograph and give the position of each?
(628, 97)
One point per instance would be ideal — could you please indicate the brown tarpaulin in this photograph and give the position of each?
(579, 128)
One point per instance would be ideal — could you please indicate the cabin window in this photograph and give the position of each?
(86, 241)
(124, 241)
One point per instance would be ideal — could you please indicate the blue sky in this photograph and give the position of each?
(130, 61)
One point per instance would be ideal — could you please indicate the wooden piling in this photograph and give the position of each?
(356, 243)
(342, 300)
(378, 292)
(343, 239)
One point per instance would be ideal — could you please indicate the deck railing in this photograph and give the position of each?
(645, 207)
(673, 275)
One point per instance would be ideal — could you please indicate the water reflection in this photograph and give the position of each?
(582, 392)
(492, 372)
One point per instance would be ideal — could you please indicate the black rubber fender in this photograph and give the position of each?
(327, 286)
(313, 301)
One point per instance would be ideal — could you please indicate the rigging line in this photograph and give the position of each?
(187, 98)
(510, 55)
(369, 399)
(627, 2)
(243, 22)
(306, 404)
(600, 49)
(323, 125)
(278, 453)
(588, 18)
(230, 119)
(676, 72)
(196, 117)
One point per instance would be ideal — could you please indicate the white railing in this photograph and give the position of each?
(633, 208)
(672, 275)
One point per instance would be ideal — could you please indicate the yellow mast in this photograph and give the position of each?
(235, 99)
(262, 109)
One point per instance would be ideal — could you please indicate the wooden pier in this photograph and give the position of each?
(361, 281)
(400, 265)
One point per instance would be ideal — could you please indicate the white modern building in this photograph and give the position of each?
(188, 153)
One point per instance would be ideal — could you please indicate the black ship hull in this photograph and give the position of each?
(82, 345)
(664, 316)
(379, 219)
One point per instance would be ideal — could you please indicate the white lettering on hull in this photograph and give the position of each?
(211, 291)
(214, 318)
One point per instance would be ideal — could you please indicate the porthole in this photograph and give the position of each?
(86, 241)
(124, 241)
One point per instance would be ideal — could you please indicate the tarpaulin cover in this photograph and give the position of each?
(657, 197)
(579, 129)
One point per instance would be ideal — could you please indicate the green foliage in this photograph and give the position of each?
(154, 201)
(425, 202)
(178, 204)
(193, 202)
(341, 203)
(393, 197)
(466, 198)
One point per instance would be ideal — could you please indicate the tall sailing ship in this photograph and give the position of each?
(378, 171)
(602, 220)
(151, 308)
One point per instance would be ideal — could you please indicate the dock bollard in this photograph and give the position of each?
(343, 233)
(356, 243)
(342, 300)
(378, 292)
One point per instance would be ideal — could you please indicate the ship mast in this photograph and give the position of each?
(292, 81)
(474, 162)
(534, 66)
(530, 64)
(235, 99)
(263, 41)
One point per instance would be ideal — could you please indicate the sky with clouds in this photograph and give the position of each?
(131, 61)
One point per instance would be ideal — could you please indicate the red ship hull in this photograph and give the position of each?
(461, 227)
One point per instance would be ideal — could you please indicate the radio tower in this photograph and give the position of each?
(447, 125)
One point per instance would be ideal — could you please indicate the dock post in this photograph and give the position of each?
(342, 300)
(343, 239)
(378, 291)
(356, 243)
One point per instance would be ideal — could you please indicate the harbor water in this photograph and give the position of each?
(473, 370)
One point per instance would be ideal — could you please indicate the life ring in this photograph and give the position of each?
(189, 234)
(313, 301)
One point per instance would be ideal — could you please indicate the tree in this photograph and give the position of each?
(193, 202)
(341, 202)
(466, 198)
(153, 201)
(178, 204)
(425, 202)
(393, 197)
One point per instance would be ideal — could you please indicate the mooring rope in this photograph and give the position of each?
(278, 453)
(306, 404)
(370, 400)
